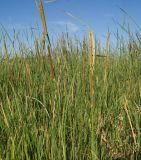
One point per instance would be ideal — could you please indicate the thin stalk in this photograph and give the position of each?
(130, 122)
(107, 57)
(91, 63)
(92, 91)
(41, 9)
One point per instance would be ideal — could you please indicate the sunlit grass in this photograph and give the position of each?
(45, 118)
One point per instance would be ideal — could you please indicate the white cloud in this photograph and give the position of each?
(72, 27)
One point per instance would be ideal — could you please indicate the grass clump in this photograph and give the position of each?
(45, 118)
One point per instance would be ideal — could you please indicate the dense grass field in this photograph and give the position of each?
(45, 118)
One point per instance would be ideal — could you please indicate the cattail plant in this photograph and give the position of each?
(91, 62)
(46, 36)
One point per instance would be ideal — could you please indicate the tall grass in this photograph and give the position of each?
(45, 119)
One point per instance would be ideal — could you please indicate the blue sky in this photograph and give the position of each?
(97, 13)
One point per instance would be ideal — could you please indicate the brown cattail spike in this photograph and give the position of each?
(43, 17)
(41, 9)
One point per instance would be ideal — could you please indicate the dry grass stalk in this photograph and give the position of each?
(107, 49)
(51, 64)
(4, 115)
(19, 73)
(41, 9)
(129, 119)
(28, 74)
(91, 62)
(107, 57)
(6, 50)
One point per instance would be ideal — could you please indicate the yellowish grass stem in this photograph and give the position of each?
(129, 119)
(107, 57)
(91, 63)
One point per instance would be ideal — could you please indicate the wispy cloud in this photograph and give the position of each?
(72, 27)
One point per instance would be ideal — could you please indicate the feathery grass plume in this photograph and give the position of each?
(91, 62)
(41, 9)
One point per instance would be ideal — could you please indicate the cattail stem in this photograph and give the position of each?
(41, 9)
